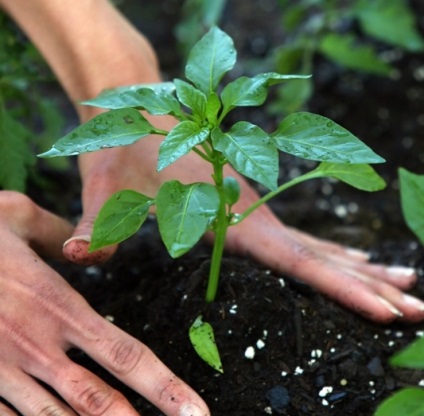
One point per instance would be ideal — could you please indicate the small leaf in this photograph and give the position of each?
(392, 22)
(203, 340)
(407, 402)
(191, 97)
(360, 176)
(345, 50)
(184, 213)
(412, 201)
(231, 190)
(213, 106)
(111, 129)
(411, 357)
(246, 91)
(315, 137)
(119, 218)
(210, 59)
(154, 98)
(180, 140)
(250, 151)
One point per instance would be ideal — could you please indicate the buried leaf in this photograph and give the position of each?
(203, 341)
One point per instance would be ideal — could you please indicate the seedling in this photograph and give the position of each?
(200, 105)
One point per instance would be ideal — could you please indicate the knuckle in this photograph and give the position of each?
(18, 204)
(125, 356)
(95, 401)
(52, 410)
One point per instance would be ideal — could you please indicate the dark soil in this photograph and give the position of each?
(309, 343)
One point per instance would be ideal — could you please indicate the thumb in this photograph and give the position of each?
(76, 248)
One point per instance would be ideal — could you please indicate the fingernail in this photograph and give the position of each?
(389, 306)
(86, 238)
(401, 271)
(358, 253)
(411, 300)
(192, 410)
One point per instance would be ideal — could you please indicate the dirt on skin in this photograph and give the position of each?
(311, 356)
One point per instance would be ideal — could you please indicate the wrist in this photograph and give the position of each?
(87, 54)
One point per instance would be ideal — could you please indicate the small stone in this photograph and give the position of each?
(375, 367)
(249, 353)
(278, 398)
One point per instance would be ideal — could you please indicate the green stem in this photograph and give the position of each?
(221, 227)
(307, 176)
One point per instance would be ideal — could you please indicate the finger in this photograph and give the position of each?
(5, 411)
(86, 393)
(44, 231)
(138, 367)
(29, 397)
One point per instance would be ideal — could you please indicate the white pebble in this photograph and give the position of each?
(316, 353)
(325, 390)
(249, 353)
(298, 371)
(260, 344)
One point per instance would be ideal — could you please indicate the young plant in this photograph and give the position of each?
(186, 211)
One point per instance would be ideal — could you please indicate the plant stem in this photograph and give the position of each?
(307, 176)
(221, 227)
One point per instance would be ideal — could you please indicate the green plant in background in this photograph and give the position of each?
(197, 17)
(22, 109)
(408, 401)
(186, 211)
(340, 31)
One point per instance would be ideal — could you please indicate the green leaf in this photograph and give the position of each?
(362, 177)
(213, 106)
(412, 201)
(111, 129)
(391, 21)
(231, 190)
(292, 97)
(184, 213)
(347, 51)
(210, 59)
(250, 151)
(408, 402)
(246, 91)
(15, 153)
(154, 98)
(119, 218)
(315, 137)
(180, 140)
(411, 357)
(191, 97)
(203, 340)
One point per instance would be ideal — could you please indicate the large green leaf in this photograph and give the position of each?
(210, 59)
(180, 140)
(111, 129)
(191, 97)
(412, 201)
(15, 153)
(119, 218)
(391, 21)
(250, 151)
(184, 213)
(155, 98)
(407, 402)
(349, 52)
(203, 340)
(412, 356)
(362, 177)
(315, 137)
(246, 91)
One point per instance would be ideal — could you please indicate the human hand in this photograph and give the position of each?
(41, 317)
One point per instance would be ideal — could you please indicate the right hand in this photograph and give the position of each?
(41, 317)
